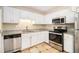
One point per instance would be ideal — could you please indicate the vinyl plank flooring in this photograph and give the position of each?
(41, 48)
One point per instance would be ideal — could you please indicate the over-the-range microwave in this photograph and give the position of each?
(58, 20)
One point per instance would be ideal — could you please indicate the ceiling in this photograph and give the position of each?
(42, 9)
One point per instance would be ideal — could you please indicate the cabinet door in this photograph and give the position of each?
(6, 15)
(1, 44)
(39, 19)
(34, 39)
(16, 15)
(23, 14)
(10, 15)
(25, 41)
(39, 37)
(68, 43)
(45, 36)
(70, 17)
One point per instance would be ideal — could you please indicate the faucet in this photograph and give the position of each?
(27, 28)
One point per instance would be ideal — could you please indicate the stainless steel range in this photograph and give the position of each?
(56, 38)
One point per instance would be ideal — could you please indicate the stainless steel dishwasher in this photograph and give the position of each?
(17, 42)
(12, 43)
(8, 43)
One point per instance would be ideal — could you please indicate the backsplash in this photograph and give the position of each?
(46, 26)
(30, 26)
(70, 27)
(23, 24)
(20, 26)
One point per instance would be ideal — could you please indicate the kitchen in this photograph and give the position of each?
(32, 27)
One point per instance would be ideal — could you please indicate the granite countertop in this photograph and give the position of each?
(0, 31)
(71, 33)
(7, 32)
(31, 31)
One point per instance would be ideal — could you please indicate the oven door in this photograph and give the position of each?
(55, 38)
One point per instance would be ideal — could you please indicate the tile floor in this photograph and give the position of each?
(41, 48)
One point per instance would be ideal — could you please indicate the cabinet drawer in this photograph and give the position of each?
(68, 36)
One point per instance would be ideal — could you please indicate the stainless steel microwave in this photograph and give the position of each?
(58, 20)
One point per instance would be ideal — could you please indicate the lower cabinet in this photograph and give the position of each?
(1, 44)
(69, 43)
(31, 39)
(25, 41)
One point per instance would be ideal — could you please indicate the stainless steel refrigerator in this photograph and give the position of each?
(76, 40)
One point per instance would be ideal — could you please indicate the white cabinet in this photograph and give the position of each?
(16, 16)
(69, 43)
(11, 15)
(31, 39)
(25, 40)
(24, 14)
(69, 14)
(34, 17)
(1, 44)
(39, 19)
(39, 37)
(27, 15)
(70, 17)
(44, 36)
(34, 39)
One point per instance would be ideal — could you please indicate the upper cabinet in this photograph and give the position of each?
(70, 17)
(11, 15)
(62, 13)
(34, 17)
(39, 19)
